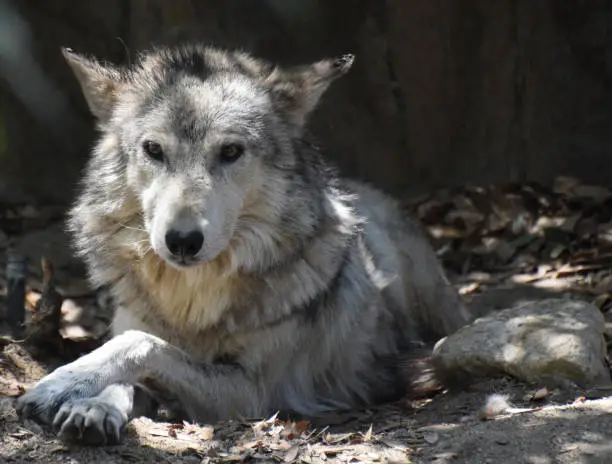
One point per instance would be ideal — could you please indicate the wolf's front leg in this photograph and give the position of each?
(91, 398)
(98, 383)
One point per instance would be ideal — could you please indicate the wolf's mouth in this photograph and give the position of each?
(182, 262)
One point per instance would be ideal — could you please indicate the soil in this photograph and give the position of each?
(569, 426)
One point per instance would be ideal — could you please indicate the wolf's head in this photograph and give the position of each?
(201, 140)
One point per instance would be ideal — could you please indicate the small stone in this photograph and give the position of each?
(494, 406)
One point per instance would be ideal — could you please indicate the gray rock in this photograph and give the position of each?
(548, 340)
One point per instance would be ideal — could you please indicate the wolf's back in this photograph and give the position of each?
(421, 295)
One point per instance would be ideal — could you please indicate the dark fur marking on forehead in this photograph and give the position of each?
(164, 66)
(162, 73)
(186, 59)
(187, 121)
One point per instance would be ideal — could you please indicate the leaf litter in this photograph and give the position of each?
(556, 238)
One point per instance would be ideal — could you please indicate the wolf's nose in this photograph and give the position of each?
(186, 245)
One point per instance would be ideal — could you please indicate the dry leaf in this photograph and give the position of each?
(604, 232)
(431, 437)
(264, 425)
(293, 430)
(601, 300)
(159, 433)
(569, 223)
(565, 185)
(292, 454)
(59, 449)
(557, 251)
(75, 332)
(207, 433)
(71, 311)
(394, 444)
(540, 394)
(604, 286)
(173, 428)
(31, 299)
(470, 288)
(332, 451)
(368, 435)
(12, 388)
(21, 434)
(594, 192)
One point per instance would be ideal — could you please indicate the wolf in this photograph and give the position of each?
(249, 277)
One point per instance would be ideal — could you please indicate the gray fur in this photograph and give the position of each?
(307, 288)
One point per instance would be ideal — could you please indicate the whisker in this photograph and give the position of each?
(143, 254)
(139, 229)
(139, 242)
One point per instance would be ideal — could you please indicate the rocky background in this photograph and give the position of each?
(443, 92)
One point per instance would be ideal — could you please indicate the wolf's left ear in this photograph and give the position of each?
(298, 90)
(99, 83)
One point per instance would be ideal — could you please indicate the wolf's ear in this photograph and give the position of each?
(298, 90)
(99, 83)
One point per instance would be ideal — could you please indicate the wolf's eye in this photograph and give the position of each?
(231, 152)
(153, 150)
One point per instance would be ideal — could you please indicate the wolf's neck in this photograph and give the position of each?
(215, 295)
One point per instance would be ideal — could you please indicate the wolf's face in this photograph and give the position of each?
(196, 155)
(201, 133)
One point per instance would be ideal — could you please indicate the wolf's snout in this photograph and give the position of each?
(185, 245)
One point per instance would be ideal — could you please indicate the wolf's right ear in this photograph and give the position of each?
(99, 83)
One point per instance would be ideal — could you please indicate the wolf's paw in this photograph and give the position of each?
(42, 402)
(92, 421)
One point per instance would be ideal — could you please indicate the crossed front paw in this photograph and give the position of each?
(65, 399)
(92, 421)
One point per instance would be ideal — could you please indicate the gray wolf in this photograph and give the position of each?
(248, 276)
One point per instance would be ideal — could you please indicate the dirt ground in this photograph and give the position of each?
(493, 264)
(570, 426)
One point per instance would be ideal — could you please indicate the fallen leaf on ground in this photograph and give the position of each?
(431, 437)
(540, 394)
(292, 454)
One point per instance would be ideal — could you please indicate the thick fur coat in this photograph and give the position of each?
(248, 276)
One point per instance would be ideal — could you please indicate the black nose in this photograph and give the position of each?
(186, 245)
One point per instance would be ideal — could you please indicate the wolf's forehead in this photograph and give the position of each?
(191, 106)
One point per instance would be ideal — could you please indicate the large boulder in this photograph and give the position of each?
(549, 340)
